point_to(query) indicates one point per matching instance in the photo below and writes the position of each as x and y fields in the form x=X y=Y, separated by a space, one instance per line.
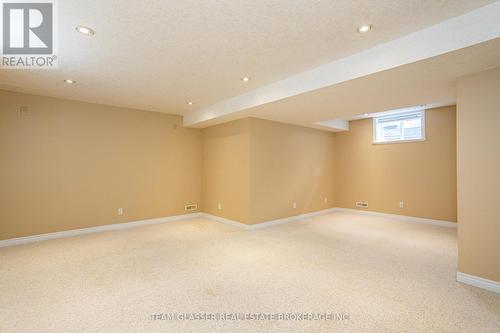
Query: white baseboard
x=479 y=282
x=292 y=218
x=399 y=217
x=120 y=226
x=108 y=227
x=267 y=223
x=227 y=221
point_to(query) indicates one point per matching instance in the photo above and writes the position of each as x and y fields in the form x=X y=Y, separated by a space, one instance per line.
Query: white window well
x=400 y=127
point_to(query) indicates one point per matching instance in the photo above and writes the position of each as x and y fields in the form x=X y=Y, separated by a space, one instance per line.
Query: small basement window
x=400 y=127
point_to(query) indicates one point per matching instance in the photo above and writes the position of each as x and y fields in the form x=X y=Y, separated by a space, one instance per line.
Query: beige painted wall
x=257 y=168
x=289 y=164
x=226 y=170
x=67 y=165
x=422 y=174
x=478 y=129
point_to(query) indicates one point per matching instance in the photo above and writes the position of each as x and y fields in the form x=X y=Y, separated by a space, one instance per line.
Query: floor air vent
x=191 y=207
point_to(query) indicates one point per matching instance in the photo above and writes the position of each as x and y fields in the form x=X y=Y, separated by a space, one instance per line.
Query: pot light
x=190 y=103
x=70 y=81
x=245 y=79
x=364 y=28
x=85 y=30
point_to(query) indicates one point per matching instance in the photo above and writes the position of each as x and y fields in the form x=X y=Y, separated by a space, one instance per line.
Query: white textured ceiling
x=157 y=55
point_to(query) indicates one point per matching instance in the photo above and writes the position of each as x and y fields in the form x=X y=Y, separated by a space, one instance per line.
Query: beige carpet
x=385 y=275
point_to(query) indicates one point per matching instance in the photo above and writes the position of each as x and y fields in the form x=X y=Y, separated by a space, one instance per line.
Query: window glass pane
x=398 y=127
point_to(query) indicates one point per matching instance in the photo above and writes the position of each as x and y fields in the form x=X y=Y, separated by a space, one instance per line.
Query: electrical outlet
x=361 y=204
x=294 y=205
x=219 y=206
x=401 y=204
x=120 y=211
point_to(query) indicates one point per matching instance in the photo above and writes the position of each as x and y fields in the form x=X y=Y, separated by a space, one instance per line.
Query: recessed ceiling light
x=85 y=30
x=190 y=103
x=245 y=79
x=70 y=81
x=364 y=28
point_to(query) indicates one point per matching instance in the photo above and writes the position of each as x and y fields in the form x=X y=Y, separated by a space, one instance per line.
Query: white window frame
x=423 y=138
